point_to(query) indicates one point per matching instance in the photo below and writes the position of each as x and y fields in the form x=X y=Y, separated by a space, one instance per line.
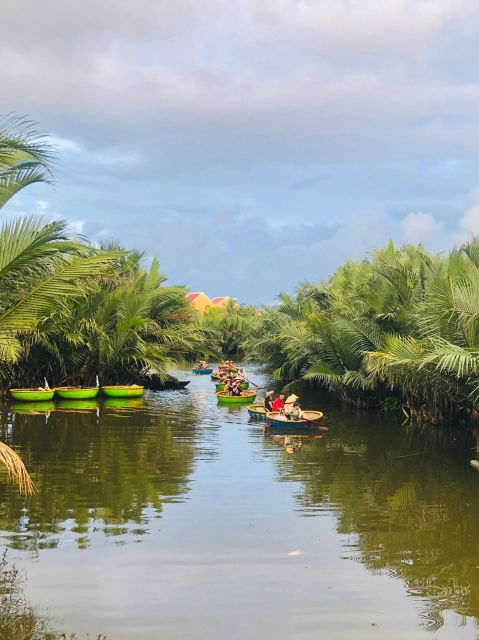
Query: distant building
x=201 y=302
x=221 y=301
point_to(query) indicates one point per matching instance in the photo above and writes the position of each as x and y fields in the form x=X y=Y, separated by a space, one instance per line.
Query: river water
x=170 y=517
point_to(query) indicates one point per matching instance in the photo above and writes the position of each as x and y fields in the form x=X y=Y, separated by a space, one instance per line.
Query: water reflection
x=408 y=497
x=402 y=500
x=107 y=470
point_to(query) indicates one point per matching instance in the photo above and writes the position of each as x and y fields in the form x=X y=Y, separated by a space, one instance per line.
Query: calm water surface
x=173 y=518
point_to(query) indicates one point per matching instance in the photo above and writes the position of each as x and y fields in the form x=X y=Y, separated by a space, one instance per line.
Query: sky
x=251 y=145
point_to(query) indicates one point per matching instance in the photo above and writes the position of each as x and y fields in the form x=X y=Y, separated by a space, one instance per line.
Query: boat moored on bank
x=77 y=393
x=122 y=391
x=32 y=395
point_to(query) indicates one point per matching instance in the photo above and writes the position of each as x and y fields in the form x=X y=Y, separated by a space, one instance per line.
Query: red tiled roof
x=219 y=299
x=192 y=296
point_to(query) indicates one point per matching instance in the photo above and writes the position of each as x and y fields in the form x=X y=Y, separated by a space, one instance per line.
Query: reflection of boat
x=125 y=403
x=221 y=386
x=276 y=419
x=77 y=393
x=33 y=407
x=202 y=372
x=257 y=411
x=32 y=395
x=78 y=405
x=225 y=398
x=123 y=391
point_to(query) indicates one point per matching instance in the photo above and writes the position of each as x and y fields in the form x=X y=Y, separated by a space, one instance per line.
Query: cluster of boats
x=309 y=419
x=76 y=393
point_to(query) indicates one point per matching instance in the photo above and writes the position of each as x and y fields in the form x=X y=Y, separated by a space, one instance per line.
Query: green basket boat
x=32 y=395
x=221 y=386
x=257 y=411
x=245 y=397
x=123 y=391
x=77 y=393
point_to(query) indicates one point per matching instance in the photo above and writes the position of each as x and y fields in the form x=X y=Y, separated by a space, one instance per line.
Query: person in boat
x=202 y=364
x=235 y=388
x=288 y=404
x=278 y=404
x=268 y=401
x=295 y=412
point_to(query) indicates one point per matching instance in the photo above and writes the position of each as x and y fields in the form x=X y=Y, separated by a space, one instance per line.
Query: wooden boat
x=123 y=391
x=202 y=372
x=215 y=376
x=225 y=398
x=257 y=411
x=221 y=386
x=77 y=393
x=32 y=395
x=276 y=419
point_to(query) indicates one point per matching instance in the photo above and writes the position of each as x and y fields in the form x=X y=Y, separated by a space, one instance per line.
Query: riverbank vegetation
x=229 y=328
x=70 y=310
x=399 y=329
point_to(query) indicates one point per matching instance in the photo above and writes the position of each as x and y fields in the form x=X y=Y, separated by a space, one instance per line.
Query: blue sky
x=252 y=145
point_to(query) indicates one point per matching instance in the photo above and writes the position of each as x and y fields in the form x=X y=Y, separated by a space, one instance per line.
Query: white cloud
x=420 y=227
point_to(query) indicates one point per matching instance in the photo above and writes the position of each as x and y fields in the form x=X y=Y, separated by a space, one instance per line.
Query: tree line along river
x=172 y=517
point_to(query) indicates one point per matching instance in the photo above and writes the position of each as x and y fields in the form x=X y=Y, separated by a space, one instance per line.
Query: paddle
x=318 y=422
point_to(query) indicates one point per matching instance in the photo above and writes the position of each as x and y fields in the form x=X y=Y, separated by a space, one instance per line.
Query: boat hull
x=202 y=372
x=257 y=411
x=76 y=393
x=276 y=420
x=221 y=386
x=32 y=395
x=245 y=398
x=122 y=391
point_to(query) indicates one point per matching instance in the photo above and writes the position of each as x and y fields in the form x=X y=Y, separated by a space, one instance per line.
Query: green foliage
x=229 y=327
x=69 y=310
x=403 y=325
x=25 y=156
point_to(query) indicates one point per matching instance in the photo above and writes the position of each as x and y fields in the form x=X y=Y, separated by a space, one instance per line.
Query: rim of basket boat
x=122 y=386
x=30 y=390
x=318 y=415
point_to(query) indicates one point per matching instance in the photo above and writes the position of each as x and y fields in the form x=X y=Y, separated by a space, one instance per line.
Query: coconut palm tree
x=25 y=156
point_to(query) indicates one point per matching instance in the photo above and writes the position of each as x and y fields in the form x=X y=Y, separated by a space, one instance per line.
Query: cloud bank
x=265 y=140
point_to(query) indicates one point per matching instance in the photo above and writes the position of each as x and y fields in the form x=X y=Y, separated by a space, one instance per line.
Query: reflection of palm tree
x=407 y=501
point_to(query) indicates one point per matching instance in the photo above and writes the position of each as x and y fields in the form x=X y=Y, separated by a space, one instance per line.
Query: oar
x=320 y=424
x=251 y=382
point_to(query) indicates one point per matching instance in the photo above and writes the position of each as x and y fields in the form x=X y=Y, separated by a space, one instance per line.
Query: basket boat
x=245 y=397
